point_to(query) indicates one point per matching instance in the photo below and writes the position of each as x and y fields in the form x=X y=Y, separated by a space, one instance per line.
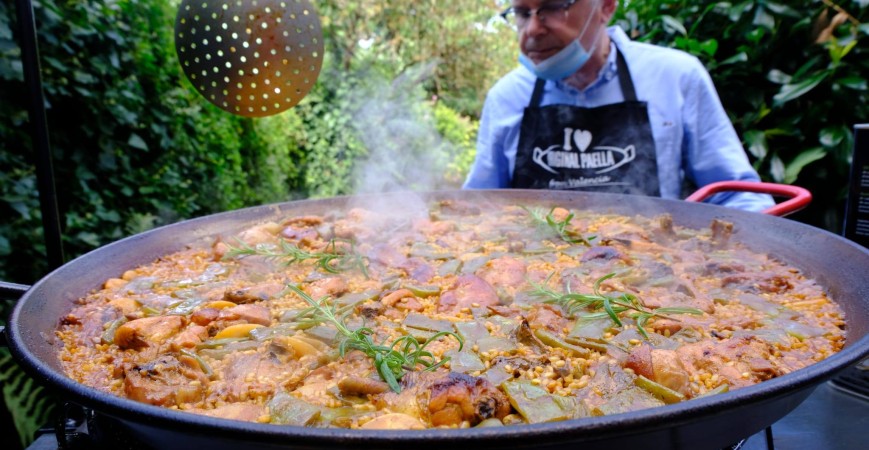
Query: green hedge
x=792 y=76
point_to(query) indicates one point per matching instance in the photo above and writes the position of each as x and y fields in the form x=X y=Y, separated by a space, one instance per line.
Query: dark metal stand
x=39 y=133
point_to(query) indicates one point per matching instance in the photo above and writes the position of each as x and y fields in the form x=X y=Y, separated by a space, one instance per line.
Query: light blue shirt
x=693 y=135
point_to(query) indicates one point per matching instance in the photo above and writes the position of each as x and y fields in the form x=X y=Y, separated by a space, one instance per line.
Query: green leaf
x=854 y=82
x=778 y=77
x=763 y=19
x=137 y=142
x=789 y=91
x=755 y=142
x=802 y=160
x=832 y=136
x=740 y=57
x=673 y=25
x=777 y=169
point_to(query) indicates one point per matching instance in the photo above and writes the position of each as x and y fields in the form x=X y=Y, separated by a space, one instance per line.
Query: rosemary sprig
x=547 y=222
x=612 y=306
x=391 y=361
x=332 y=261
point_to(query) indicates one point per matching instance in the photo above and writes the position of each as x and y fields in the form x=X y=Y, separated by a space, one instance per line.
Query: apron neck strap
x=625 y=82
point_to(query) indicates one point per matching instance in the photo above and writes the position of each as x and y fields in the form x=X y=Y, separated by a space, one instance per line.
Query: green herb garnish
x=612 y=306
x=391 y=361
x=332 y=261
x=547 y=222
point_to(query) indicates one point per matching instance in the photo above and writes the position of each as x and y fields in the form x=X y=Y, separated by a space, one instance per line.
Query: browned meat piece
x=190 y=337
x=255 y=375
x=460 y=208
x=732 y=359
x=465 y=291
x=164 y=382
x=546 y=316
x=721 y=232
x=640 y=361
x=247 y=313
x=427 y=227
x=248 y=412
x=504 y=271
x=446 y=398
x=304 y=221
x=601 y=252
x=300 y=235
x=669 y=371
x=419 y=270
x=253 y=293
x=205 y=316
x=92 y=321
x=148 y=331
x=332 y=287
x=360 y=386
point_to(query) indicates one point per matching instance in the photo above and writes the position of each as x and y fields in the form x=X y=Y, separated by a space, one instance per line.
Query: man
x=590 y=109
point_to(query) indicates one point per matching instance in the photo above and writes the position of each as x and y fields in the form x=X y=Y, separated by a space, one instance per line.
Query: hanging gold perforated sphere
x=250 y=57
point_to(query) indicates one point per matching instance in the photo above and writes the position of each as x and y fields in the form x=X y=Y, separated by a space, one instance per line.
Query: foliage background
x=396 y=105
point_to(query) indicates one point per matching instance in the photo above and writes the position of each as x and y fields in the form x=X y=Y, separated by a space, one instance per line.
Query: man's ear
x=608 y=8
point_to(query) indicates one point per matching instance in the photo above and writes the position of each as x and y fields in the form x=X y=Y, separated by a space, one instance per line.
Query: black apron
x=605 y=149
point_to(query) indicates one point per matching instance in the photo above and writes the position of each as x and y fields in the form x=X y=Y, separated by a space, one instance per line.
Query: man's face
x=563 y=23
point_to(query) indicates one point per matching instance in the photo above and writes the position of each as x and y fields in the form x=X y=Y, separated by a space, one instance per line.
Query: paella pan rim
x=23 y=340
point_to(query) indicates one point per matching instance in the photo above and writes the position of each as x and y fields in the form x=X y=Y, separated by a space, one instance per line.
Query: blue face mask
x=560 y=65
x=564 y=63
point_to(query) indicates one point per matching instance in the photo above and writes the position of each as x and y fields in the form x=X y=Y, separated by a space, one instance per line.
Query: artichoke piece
x=472 y=332
x=464 y=361
x=630 y=399
x=490 y=343
x=288 y=410
x=429 y=251
x=591 y=328
x=471 y=266
x=266 y=333
x=348 y=301
x=760 y=304
x=450 y=267
x=660 y=391
x=537 y=405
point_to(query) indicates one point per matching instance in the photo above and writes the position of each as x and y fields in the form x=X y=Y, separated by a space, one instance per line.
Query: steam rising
x=405 y=151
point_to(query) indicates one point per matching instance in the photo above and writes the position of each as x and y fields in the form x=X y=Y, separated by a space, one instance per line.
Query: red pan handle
x=798 y=199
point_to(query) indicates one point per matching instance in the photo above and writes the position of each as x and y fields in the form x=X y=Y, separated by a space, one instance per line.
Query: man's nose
x=535 y=26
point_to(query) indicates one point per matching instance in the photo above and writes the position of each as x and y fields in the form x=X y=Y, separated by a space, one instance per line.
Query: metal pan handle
x=798 y=198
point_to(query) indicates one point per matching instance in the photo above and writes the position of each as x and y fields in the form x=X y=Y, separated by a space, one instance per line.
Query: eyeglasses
x=553 y=12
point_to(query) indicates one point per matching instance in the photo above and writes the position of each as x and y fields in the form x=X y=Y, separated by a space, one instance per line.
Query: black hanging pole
x=39 y=133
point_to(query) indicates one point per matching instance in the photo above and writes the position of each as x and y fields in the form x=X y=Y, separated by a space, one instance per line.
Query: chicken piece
x=466 y=290
x=504 y=271
x=251 y=375
x=548 y=317
x=331 y=287
x=164 y=381
x=668 y=370
x=189 y=338
x=446 y=398
x=247 y=412
x=247 y=313
x=253 y=293
x=147 y=331
x=354 y=385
